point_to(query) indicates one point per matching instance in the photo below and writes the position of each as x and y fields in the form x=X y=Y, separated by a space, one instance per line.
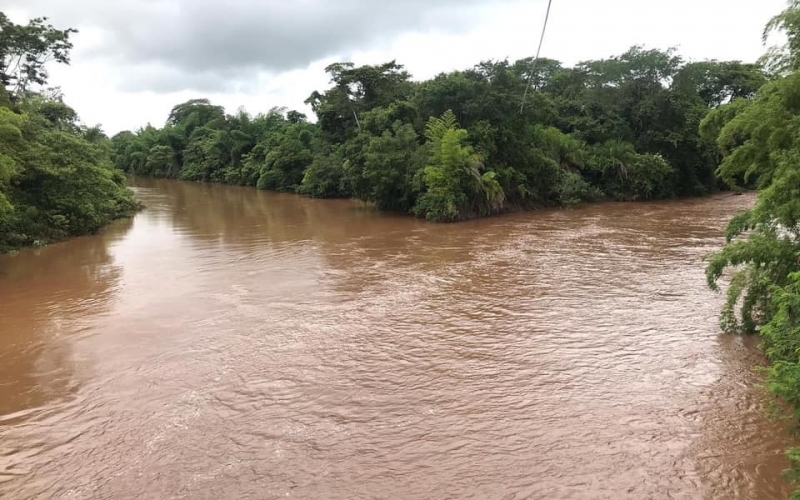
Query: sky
x=135 y=59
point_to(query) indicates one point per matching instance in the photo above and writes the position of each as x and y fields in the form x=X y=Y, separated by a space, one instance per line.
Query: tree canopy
x=26 y=50
x=624 y=128
x=56 y=175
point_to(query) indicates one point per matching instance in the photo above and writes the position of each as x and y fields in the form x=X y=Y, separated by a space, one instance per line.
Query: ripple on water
x=231 y=343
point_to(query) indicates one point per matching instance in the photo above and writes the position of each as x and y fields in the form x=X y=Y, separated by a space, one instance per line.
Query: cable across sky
x=536 y=59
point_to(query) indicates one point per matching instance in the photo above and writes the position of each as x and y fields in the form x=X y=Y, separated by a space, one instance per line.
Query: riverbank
x=468 y=216
x=57 y=179
x=29 y=234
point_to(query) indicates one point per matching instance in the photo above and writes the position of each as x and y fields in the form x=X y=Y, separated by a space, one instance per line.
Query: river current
x=228 y=343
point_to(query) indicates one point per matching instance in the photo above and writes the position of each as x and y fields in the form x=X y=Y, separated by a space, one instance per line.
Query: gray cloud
x=210 y=44
x=161 y=78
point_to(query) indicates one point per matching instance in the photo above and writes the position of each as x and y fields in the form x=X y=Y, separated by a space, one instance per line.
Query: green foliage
x=54 y=183
x=449 y=160
x=287 y=156
x=356 y=91
x=272 y=180
x=573 y=189
x=760 y=144
x=325 y=177
x=205 y=155
x=753 y=133
x=160 y=161
x=456 y=146
x=57 y=178
x=718 y=83
x=25 y=50
x=784 y=59
x=455 y=185
x=196 y=113
x=793 y=473
x=391 y=163
x=648 y=177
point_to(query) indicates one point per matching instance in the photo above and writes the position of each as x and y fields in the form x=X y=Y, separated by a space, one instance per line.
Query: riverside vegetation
x=460 y=145
x=454 y=147
x=643 y=125
x=56 y=176
x=759 y=140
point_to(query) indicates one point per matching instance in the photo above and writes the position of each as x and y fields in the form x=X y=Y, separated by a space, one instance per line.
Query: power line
x=536 y=59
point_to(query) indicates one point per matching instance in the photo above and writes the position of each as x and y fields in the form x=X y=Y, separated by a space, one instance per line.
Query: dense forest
x=56 y=176
x=462 y=144
x=759 y=140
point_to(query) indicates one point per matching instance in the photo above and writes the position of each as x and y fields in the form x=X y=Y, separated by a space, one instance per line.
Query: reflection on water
x=232 y=343
x=44 y=295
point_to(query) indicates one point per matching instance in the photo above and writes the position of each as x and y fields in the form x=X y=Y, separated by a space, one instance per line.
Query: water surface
x=231 y=343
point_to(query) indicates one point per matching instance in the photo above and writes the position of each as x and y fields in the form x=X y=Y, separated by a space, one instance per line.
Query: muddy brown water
x=231 y=343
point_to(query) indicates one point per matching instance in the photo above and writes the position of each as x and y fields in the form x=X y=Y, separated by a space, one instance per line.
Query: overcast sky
x=134 y=59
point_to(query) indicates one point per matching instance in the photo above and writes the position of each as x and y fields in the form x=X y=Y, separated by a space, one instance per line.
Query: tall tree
x=25 y=50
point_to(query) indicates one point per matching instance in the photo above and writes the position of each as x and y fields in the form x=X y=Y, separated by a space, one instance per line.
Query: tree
x=454 y=182
x=57 y=178
x=623 y=128
x=160 y=161
x=54 y=183
x=325 y=177
x=200 y=111
x=719 y=82
x=282 y=158
x=761 y=140
x=784 y=59
x=760 y=144
x=26 y=50
x=392 y=161
x=355 y=91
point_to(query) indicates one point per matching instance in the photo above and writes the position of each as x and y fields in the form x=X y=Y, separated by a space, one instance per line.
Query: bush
x=270 y=180
x=573 y=189
x=324 y=178
x=54 y=183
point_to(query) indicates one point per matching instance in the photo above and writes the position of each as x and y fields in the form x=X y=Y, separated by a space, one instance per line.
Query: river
x=232 y=343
